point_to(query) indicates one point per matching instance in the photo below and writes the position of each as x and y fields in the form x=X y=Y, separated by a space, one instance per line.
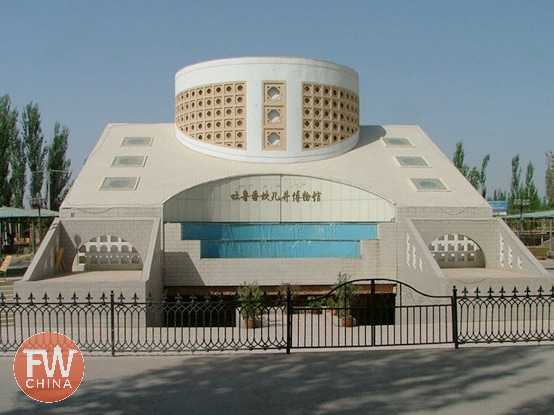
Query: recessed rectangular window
x=129 y=161
x=119 y=183
x=397 y=142
x=430 y=184
x=412 y=161
x=137 y=142
x=272 y=240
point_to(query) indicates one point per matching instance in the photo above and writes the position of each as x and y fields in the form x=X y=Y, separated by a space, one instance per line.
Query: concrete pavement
x=493 y=380
x=548 y=264
x=499 y=380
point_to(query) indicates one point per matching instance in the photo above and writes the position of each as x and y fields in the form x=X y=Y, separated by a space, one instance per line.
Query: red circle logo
x=48 y=367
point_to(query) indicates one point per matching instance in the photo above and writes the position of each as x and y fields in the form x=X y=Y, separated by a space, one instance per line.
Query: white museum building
x=266 y=175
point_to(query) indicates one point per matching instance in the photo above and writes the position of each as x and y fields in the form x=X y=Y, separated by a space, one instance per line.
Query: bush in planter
x=344 y=292
x=332 y=304
x=283 y=289
x=250 y=298
x=316 y=303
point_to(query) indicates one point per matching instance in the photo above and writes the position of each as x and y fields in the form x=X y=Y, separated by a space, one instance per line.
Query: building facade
x=267 y=175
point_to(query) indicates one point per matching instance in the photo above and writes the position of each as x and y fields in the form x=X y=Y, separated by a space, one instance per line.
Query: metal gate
x=371 y=313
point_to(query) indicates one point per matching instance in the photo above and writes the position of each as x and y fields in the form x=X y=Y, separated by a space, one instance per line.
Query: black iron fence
x=387 y=313
x=505 y=316
x=361 y=313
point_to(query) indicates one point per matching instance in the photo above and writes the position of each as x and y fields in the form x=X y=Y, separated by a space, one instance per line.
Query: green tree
x=515 y=186
x=8 y=135
x=523 y=193
x=35 y=149
x=499 y=194
x=530 y=191
x=483 y=175
x=58 y=167
x=476 y=176
x=459 y=159
x=473 y=177
x=549 y=179
x=18 y=178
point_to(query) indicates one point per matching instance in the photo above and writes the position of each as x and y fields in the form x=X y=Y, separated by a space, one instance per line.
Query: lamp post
x=38 y=202
x=521 y=203
x=551 y=252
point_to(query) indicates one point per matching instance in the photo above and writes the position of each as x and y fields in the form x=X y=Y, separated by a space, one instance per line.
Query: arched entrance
x=107 y=252
x=457 y=251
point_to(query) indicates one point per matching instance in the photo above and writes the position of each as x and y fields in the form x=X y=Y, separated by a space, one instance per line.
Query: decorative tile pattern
x=274 y=112
x=213 y=114
x=330 y=115
x=455 y=248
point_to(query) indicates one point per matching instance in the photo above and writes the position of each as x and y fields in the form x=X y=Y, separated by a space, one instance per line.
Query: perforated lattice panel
x=330 y=115
x=274 y=121
x=214 y=114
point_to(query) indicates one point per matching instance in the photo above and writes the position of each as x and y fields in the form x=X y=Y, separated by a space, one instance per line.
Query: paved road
x=498 y=380
x=503 y=380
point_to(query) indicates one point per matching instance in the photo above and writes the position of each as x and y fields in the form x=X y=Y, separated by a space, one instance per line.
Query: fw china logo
x=48 y=367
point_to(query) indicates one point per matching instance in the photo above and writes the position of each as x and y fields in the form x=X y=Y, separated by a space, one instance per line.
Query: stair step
x=6 y=288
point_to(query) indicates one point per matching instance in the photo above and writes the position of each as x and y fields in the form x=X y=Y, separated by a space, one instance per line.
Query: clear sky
x=481 y=72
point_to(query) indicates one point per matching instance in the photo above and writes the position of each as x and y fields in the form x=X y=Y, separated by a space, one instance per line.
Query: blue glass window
x=279 y=240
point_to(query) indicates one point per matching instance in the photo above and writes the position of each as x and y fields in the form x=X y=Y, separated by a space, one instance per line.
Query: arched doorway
x=457 y=251
x=107 y=252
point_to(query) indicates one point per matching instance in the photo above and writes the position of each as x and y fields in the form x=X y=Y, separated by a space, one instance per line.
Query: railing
x=404 y=316
x=114 y=325
x=400 y=315
x=506 y=316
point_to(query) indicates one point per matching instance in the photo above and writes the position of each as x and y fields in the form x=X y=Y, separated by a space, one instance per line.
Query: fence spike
x=552 y=291
x=89 y=298
x=206 y=298
x=178 y=298
x=103 y=298
x=514 y=291
x=221 y=297
x=490 y=292
x=477 y=292
x=149 y=299
x=502 y=292
x=465 y=292
x=121 y=298
x=31 y=298
x=192 y=298
x=74 y=298
x=540 y=291
x=17 y=297
x=45 y=298
x=2 y=298
x=60 y=298
x=527 y=292
x=135 y=299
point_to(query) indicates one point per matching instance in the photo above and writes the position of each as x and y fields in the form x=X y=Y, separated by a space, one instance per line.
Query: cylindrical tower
x=267 y=109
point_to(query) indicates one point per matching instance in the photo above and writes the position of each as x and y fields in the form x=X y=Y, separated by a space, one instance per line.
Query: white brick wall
x=183 y=265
